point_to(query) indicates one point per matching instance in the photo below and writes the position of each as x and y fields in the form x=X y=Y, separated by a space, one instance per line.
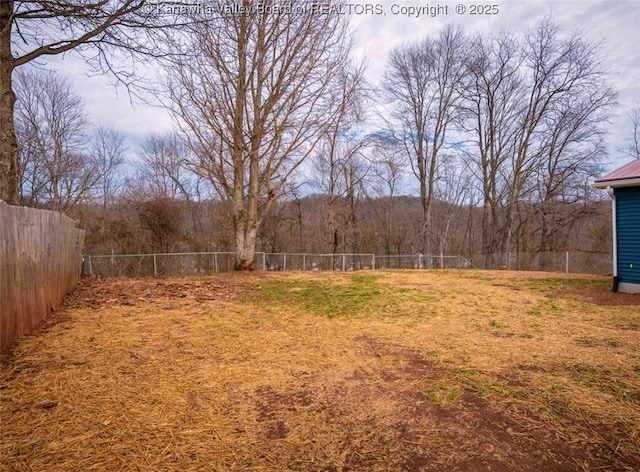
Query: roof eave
x=603 y=184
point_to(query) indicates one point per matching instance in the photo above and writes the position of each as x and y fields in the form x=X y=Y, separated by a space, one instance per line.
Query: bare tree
x=354 y=175
x=255 y=101
x=453 y=191
x=107 y=150
x=163 y=167
x=34 y=29
x=567 y=95
x=342 y=171
x=102 y=216
x=536 y=110
x=493 y=92
x=571 y=149
x=52 y=125
x=337 y=162
x=422 y=83
x=163 y=217
x=388 y=165
x=633 y=144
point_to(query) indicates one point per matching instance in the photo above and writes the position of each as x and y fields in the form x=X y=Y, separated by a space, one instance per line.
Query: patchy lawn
x=368 y=371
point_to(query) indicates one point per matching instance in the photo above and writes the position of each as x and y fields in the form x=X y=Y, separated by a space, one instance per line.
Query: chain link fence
x=194 y=263
x=582 y=262
x=422 y=261
x=201 y=263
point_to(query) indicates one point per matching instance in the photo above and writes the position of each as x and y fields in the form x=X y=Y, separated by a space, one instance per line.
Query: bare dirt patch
x=393 y=371
x=99 y=292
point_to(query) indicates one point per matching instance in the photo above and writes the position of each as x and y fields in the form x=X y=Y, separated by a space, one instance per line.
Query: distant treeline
x=314 y=224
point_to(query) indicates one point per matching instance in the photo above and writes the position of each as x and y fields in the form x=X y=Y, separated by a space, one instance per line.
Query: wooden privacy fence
x=40 y=262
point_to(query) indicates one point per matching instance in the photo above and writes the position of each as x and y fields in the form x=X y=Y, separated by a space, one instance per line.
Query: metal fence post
x=155 y=266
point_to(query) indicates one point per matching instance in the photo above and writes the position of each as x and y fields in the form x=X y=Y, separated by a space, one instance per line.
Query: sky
x=380 y=27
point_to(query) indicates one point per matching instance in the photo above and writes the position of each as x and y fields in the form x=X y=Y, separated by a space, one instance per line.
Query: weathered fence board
x=40 y=262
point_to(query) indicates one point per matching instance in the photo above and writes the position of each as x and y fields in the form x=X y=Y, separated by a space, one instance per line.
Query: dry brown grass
x=447 y=370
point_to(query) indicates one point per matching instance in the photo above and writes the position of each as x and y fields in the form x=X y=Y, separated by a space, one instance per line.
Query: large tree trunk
x=246 y=247
x=247 y=216
x=9 y=169
x=245 y=226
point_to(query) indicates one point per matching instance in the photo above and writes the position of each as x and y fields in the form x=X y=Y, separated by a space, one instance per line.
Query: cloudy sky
x=612 y=22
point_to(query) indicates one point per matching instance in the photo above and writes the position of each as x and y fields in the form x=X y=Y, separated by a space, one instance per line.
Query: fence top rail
x=414 y=255
x=340 y=254
x=149 y=254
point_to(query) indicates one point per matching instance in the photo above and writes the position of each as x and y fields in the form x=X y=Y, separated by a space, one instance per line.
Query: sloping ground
x=387 y=371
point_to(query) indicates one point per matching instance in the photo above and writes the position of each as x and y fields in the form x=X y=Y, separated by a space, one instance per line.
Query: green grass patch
x=349 y=297
x=443 y=391
x=496 y=324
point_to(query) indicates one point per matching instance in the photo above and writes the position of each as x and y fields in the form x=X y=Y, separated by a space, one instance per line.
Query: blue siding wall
x=628 y=231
